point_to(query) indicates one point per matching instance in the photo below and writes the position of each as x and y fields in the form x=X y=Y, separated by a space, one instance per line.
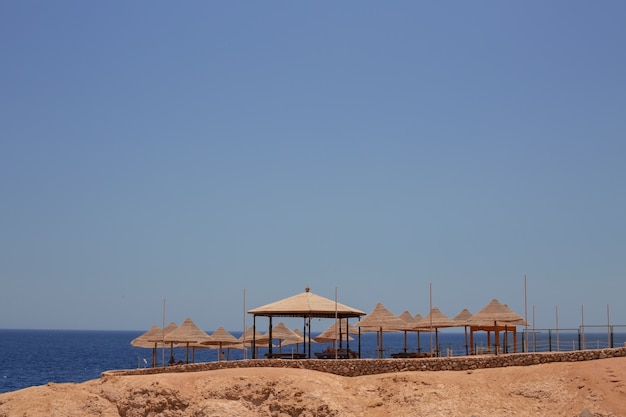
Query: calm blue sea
x=36 y=357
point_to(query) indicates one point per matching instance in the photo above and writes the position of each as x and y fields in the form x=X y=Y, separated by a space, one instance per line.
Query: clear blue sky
x=153 y=150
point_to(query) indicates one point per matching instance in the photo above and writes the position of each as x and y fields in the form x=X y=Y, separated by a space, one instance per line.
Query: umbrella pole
x=405 y=341
x=466 y=347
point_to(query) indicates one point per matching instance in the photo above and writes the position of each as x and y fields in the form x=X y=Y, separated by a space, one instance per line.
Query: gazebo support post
x=496 y=334
x=309 y=336
x=253 y=353
x=270 y=335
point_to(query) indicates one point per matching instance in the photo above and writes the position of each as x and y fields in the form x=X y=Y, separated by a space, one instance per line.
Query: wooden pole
x=526 y=314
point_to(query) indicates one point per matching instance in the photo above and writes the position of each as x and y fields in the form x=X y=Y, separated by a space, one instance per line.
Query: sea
x=38 y=357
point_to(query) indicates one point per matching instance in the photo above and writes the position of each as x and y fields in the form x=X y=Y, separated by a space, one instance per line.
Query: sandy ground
x=594 y=388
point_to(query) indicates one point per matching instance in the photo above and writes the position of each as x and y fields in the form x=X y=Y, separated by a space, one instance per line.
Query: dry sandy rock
x=593 y=388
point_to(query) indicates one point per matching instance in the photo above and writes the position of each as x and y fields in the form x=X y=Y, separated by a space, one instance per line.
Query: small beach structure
x=435 y=320
x=339 y=331
x=222 y=338
x=284 y=335
x=160 y=337
x=147 y=340
x=306 y=305
x=381 y=320
x=410 y=321
x=463 y=320
x=188 y=333
x=495 y=317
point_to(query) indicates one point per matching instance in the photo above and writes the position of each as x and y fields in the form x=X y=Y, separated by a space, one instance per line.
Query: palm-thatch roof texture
x=221 y=337
x=188 y=333
x=146 y=340
x=463 y=317
x=160 y=336
x=339 y=330
x=496 y=312
x=285 y=335
x=149 y=338
x=496 y=317
x=306 y=304
x=381 y=320
x=435 y=319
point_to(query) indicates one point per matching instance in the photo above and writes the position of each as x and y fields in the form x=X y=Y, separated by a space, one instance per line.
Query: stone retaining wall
x=358 y=367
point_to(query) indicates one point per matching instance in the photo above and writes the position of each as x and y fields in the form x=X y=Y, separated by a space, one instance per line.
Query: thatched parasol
x=463 y=319
x=434 y=321
x=496 y=317
x=160 y=337
x=410 y=321
x=283 y=334
x=146 y=340
x=221 y=337
x=186 y=333
x=381 y=320
x=337 y=331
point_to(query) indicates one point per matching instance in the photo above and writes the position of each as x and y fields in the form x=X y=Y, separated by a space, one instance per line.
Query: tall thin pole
x=526 y=313
x=534 y=332
x=336 y=324
x=245 y=350
x=163 y=339
x=431 y=316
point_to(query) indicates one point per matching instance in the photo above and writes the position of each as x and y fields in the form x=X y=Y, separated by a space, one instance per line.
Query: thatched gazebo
x=495 y=317
x=306 y=305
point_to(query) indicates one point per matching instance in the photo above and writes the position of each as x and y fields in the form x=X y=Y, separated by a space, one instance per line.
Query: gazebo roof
x=306 y=304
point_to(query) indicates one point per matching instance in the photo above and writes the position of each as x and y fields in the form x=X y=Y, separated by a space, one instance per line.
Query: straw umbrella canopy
x=188 y=332
x=160 y=337
x=337 y=331
x=146 y=340
x=381 y=320
x=249 y=335
x=435 y=319
x=410 y=320
x=416 y=319
x=463 y=319
x=284 y=334
x=495 y=317
x=221 y=337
